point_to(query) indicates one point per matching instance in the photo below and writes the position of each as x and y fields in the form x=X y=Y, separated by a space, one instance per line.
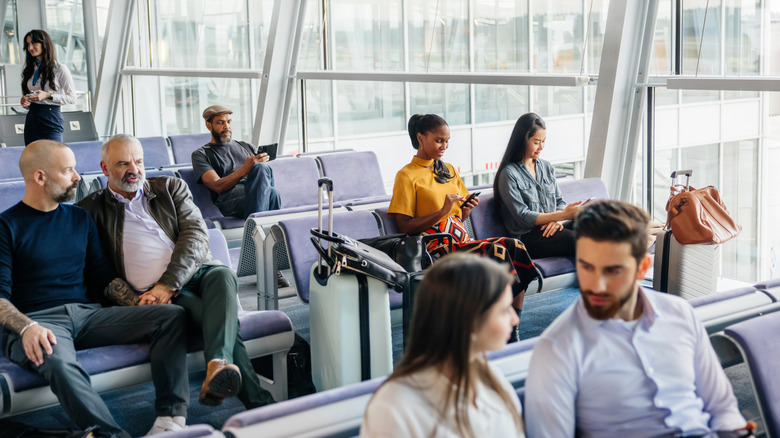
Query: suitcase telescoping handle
x=685 y=173
x=328 y=184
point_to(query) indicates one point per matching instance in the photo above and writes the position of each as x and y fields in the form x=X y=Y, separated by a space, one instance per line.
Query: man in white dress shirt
x=622 y=360
x=156 y=238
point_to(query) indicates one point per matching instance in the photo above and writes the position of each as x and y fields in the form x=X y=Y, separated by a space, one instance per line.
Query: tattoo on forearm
x=121 y=293
x=11 y=318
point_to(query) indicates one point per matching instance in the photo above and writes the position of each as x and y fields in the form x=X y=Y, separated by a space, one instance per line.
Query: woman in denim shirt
x=527 y=195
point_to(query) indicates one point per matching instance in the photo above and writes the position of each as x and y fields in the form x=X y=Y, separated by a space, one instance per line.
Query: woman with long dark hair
x=429 y=197
x=46 y=85
x=444 y=386
x=527 y=195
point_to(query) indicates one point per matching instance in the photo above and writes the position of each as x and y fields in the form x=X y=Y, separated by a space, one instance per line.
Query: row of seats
x=339 y=412
x=292 y=234
x=268 y=333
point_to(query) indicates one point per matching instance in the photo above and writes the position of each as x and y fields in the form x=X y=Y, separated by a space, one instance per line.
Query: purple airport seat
x=9 y=163
x=11 y=192
x=87 y=156
x=183 y=145
x=761 y=353
x=359 y=224
x=356 y=176
x=388 y=223
x=155 y=151
x=349 y=401
x=721 y=296
x=201 y=196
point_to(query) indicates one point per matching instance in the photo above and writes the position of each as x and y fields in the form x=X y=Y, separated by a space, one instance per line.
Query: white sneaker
x=167 y=424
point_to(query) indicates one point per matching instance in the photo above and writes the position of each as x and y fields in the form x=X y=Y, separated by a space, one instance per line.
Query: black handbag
x=408 y=250
x=347 y=254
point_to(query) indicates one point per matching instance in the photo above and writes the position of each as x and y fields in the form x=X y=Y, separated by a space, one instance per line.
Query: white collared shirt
x=147 y=249
x=615 y=378
x=66 y=90
x=410 y=406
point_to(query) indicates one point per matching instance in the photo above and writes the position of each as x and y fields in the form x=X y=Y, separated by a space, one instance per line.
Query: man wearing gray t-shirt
x=240 y=181
x=236 y=175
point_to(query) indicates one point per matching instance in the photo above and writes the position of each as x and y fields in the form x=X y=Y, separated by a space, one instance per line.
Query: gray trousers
x=82 y=326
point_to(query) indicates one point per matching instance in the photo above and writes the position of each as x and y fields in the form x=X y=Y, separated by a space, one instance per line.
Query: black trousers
x=560 y=244
x=81 y=326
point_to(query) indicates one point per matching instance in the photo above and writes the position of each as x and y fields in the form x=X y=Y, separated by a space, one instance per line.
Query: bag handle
x=438 y=237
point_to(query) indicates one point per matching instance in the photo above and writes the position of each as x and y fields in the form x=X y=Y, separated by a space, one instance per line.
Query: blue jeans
x=255 y=192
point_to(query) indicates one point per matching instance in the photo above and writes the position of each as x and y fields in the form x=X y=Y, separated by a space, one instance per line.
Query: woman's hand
x=40 y=95
x=25 y=102
x=571 y=210
x=450 y=201
x=551 y=228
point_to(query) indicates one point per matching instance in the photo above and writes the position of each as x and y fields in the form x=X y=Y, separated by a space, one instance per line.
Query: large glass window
x=367 y=35
x=438 y=35
x=501 y=35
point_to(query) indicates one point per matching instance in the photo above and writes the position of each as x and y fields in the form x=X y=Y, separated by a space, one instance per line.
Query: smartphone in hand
x=587 y=200
x=471 y=196
x=270 y=149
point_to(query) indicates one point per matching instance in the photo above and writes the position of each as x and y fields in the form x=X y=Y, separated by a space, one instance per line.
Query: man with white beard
x=156 y=239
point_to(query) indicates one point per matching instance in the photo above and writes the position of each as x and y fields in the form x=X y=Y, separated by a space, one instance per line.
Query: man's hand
x=254 y=159
x=159 y=294
x=37 y=340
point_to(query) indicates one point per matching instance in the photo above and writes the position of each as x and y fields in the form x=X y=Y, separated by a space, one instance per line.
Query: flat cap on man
x=215 y=110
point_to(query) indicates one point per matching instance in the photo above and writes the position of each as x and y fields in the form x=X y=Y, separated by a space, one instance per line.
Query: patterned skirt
x=502 y=249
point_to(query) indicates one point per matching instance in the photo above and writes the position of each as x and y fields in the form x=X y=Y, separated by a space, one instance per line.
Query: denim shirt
x=523 y=198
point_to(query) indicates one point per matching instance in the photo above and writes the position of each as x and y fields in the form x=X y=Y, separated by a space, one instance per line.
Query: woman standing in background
x=46 y=85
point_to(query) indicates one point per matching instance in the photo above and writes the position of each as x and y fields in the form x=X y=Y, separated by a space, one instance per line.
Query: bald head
x=39 y=155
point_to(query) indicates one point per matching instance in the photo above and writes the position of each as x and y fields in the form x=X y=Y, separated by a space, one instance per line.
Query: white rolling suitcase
x=689 y=271
x=349 y=315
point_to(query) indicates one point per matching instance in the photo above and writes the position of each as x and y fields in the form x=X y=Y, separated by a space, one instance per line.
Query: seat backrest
x=388 y=223
x=359 y=224
x=296 y=181
x=11 y=192
x=218 y=246
x=200 y=194
x=338 y=411
x=761 y=354
x=155 y=151
x=355 y=175
x=484 y=222
x=318 y=153
x=574 y=190
x=183 y=145
x=9 y=162
x=87 y=155
x=78 y=126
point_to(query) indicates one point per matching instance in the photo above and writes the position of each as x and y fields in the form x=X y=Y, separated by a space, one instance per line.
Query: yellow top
x=416 y=193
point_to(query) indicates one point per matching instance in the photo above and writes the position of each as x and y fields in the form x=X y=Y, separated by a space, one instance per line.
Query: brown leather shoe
x=223 y=380
x=281 y=281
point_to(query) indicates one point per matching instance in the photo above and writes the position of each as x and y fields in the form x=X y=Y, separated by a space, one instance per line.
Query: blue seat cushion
x=552 y=266
x=254 y=324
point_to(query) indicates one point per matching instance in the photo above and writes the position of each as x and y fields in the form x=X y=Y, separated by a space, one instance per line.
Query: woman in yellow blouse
x=427 y=198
